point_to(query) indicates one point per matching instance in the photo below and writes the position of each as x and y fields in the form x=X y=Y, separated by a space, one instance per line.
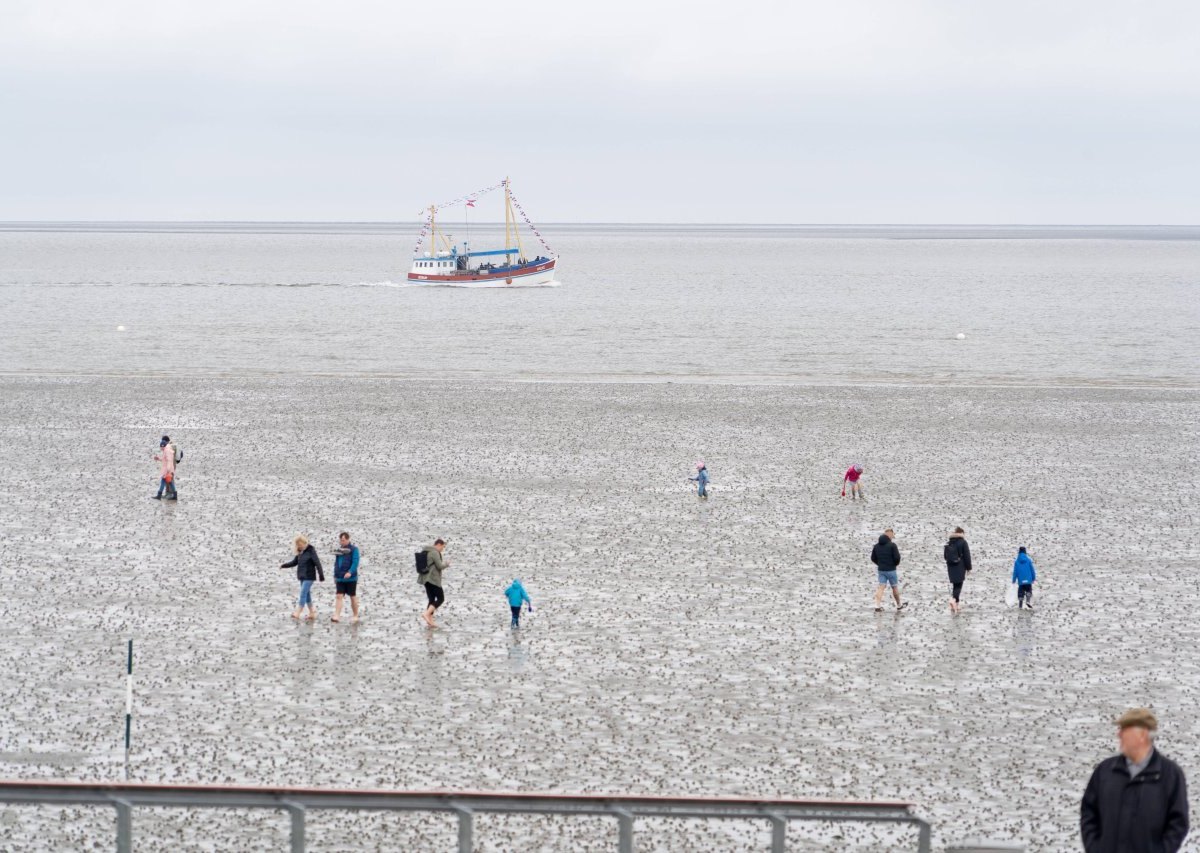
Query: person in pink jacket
x=166 y=460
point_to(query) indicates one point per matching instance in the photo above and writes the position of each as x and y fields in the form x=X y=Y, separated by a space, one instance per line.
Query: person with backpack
x=886 y=557
x=517 y=596
x=430 y=566
x=958 y=563
x=345 y=577
x=308 y=569
x=1024 y=575
x=166 y=460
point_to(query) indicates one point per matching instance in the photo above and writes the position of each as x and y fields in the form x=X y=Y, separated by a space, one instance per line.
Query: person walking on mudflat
x=431 y=579
x=701 y=480
x=1135 y=802
x=1024 y=575
x=166 y=471
x=958 y=563
x=345 y=577
x=308 y=569
x=852 y=476
x=516 y=595
x=886 y=557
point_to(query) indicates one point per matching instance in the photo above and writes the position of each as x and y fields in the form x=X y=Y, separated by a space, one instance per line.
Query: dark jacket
x=1148 y=814
x=308 y=565
x=885 y=554
x=958 y=558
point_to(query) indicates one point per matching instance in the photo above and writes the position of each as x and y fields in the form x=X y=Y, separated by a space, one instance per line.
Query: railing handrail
x=626 y=808
x=64 y=785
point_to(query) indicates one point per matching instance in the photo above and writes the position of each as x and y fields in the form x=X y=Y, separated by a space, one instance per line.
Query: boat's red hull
x=507 y=276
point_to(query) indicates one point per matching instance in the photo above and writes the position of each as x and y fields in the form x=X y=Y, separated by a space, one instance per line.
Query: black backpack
x=952 y=553
x=422 y=559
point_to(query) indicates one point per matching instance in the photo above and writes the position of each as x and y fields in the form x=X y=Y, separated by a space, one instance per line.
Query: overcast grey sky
x=753 y=111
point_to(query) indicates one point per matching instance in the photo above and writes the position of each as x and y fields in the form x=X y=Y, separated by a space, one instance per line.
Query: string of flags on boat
x=469 y=197
x=469 y=200
x=529 y=222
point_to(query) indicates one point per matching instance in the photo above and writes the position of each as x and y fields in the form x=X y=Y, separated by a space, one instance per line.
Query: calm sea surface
x=690 y=303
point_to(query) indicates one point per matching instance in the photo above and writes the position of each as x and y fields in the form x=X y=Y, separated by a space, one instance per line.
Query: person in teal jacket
x=345 y=576
x=1024 y=575
x=517 y=596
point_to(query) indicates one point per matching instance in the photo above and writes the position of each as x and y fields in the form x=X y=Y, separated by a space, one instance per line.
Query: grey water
x=1038 y=305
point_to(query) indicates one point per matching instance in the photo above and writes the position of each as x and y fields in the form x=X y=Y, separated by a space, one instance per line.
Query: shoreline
x=724 y=382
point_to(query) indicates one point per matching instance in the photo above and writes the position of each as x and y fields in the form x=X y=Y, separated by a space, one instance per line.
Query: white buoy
x=120 y=328
x=961 y=336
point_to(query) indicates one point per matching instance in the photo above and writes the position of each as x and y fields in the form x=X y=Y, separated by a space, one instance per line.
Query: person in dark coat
x=958 y=563
x=886 y=557
x=308 y=569
x=1135 y=802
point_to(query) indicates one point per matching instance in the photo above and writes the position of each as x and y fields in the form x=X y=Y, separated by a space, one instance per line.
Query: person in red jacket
x=852 y=476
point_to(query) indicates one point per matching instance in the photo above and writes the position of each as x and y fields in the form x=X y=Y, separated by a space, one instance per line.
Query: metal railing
x=124 y=797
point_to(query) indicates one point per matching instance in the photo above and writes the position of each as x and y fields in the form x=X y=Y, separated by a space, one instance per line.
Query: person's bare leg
x=312 y=613
x=354 y=607
x=428 y=616
x=896 y=594
x=879 y=596
x=337 y=607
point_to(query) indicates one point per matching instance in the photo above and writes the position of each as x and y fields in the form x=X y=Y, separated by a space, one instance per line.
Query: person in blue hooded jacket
x=517 y=596
x=701 y=480
x=1024 y=575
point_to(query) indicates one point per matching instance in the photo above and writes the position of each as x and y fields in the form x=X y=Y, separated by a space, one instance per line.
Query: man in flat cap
x=1135 y=801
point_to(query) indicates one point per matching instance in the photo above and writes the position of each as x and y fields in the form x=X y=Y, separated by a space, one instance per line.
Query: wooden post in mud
x=128 y=705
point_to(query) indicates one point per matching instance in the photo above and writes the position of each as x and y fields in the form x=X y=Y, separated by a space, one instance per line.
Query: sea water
x=1069 y=306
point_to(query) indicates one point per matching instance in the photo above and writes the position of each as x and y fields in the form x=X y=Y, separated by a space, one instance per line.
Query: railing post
x=778 y=833
x=124 y=826
x=297 y=812
x=466 y=829
x=624 y=831
x=924 y=837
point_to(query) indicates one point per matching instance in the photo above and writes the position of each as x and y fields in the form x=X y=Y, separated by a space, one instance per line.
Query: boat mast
x=510 y=222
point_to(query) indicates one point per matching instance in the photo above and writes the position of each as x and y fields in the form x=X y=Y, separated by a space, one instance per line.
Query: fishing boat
x=446 y=263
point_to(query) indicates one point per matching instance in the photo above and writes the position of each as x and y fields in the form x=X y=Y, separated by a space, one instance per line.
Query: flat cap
x=1141 y=717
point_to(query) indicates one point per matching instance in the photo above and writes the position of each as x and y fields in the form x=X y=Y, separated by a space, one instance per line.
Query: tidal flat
x=726 y=647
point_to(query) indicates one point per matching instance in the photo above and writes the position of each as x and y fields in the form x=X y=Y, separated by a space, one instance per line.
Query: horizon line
x=12 y=222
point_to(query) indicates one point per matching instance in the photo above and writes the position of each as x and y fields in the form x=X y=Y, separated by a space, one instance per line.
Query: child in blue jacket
x=701 y=480
x=1024 y=575
x=517 y=596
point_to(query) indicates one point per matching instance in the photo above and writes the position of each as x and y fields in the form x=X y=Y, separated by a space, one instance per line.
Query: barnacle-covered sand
x=678 y=647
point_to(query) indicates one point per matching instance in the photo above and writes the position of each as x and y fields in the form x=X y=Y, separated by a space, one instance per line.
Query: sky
x=894 y=111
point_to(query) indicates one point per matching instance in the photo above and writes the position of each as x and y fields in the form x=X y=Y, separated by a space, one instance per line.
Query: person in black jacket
x=308 y=569
x=958 y=563
x=1135 y=802
x=886 y=557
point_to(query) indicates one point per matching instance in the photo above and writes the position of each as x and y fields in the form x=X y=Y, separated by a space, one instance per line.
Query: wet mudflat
x=679 y=647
